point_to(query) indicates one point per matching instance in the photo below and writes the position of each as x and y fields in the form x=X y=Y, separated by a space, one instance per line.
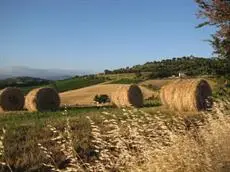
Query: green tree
x=217 y=13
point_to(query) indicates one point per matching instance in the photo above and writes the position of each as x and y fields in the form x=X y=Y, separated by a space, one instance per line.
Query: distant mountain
x=49 y=74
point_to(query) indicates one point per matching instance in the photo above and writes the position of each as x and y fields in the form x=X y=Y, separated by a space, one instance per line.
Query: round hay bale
x=42 y=99
x=128 y=96
x=11 y=99
x=187 y=95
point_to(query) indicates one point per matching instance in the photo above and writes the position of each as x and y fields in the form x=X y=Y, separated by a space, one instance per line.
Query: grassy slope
x=26 y=130
x=76 y=83
x=118 y=76
x=68 y=84
x=125 y=78
x=126 y=81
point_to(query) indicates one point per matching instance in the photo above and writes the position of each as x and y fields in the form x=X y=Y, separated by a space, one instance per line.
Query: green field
x=120 y=76
x=34 y=141
x=68 y=84
x=76 y=83
x=127 y=81
x=25 y=130
x=117 y=76
x=81 y=82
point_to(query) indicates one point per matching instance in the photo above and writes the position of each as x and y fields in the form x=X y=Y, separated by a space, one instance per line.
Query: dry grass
x=11 y=99
x=187 y=95
x=86 y=95
x=203 y=148
x=150 y=143
x=132 y=140
x=42 y=99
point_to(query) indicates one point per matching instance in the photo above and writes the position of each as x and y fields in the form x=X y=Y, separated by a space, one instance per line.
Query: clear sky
x=98 y=34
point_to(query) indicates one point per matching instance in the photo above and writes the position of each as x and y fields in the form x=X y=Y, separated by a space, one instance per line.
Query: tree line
x=189 y=65
x=22 y=82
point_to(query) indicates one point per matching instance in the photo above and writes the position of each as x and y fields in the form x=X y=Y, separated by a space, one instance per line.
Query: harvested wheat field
x=85 y=96
x=11 y=99
x=156 y=83
x=187 y=95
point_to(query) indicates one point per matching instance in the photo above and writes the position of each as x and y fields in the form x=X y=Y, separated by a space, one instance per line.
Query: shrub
x=103 y=98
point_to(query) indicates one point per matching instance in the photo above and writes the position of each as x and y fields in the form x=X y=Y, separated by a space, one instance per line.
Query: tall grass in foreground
x=140 y=141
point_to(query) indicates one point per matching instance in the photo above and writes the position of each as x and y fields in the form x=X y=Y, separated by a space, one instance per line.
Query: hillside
x=76 y=83
x=85 y=96
x=49 y=74
x=28 y=83
x=192 y=66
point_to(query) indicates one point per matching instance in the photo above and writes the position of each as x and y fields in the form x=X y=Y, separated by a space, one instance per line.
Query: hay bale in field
x=127 y=96
x=11 y=99
x=42 y=99
x=187 y=95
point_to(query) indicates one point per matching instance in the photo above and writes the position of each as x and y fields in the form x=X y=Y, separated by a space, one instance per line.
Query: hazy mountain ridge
x=49 y=74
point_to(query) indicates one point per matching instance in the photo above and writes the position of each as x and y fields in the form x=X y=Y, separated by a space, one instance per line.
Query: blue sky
x=98 y=34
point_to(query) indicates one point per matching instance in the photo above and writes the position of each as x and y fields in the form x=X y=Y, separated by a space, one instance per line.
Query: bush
x=102 y=98
x=152 y=103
